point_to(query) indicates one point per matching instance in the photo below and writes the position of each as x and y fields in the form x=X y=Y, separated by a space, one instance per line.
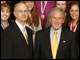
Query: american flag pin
x=64 y=41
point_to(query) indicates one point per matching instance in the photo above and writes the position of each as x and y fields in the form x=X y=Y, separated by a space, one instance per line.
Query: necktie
x=25 y=34
x=54 y=45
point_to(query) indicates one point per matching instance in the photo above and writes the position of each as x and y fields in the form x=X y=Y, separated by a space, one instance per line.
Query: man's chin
x=24 y=19
x=56 y=28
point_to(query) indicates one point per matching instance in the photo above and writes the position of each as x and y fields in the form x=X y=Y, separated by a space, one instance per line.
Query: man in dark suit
x=14 y=43
x=64 y=39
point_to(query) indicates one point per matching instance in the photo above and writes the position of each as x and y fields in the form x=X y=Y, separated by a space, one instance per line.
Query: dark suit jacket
x=1 y=29
x=7 y=27
x=77 y=37
x=66 y=50
x=13 y=44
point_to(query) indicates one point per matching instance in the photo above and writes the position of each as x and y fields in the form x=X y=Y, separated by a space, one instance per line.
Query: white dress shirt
x=21 y=27
x=58 y=35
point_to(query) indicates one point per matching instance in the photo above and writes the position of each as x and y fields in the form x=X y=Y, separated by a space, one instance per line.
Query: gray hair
x=56 y=9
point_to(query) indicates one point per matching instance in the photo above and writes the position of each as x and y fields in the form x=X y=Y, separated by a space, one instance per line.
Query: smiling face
x=61 y=4
x=5 y=13
x=74 y=12
x=30 y=5
x=57 y=19
x=21 y=12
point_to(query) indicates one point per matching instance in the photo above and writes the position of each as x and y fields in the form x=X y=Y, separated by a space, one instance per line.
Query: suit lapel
x=1 y=29
x=61 y=44
x=29 y=36
x=48 y=43
x=19 y=33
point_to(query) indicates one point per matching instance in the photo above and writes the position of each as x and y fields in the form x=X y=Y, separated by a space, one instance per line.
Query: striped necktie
x=54 y=45
x=25 y=34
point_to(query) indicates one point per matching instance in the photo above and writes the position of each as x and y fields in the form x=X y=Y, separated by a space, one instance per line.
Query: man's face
x=57 y=19
x=21 y=12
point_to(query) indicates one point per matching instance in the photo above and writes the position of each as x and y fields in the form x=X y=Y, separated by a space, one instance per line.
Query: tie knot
x=55 y=32
x=24 y=29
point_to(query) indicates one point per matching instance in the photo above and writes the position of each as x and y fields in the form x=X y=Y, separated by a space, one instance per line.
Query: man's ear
x=49 y=19
x=14 y=13
x=63 y=20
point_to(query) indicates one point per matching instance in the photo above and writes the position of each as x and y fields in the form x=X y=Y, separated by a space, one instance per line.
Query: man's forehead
x=21 y=6
x=55 y=12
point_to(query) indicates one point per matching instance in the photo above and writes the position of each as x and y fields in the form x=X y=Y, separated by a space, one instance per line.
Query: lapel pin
x=64 y=41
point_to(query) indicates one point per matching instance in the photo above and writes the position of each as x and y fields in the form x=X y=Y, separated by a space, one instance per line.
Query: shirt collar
x=19 y=25
x=59 y=30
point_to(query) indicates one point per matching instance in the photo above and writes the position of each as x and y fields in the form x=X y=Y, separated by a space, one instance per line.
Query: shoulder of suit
x=67 y=31
x=10 y=29
x=29 y=29
x=46 y=30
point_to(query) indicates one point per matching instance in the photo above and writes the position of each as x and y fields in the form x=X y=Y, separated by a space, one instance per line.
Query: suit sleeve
x=6 y=46
x=37 y=47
